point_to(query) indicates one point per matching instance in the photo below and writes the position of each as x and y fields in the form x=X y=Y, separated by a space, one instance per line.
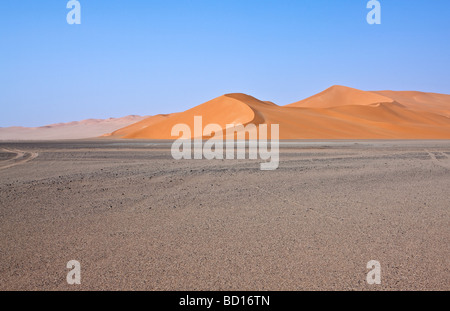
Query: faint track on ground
x=21 y=157
x=444 y=163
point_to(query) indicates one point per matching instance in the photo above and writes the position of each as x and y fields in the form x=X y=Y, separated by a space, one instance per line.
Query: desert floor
x=135 y=218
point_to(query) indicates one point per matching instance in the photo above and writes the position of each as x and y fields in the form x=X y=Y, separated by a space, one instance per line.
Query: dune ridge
x=339 y=112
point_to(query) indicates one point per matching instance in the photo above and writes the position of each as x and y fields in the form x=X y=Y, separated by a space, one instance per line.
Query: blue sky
x=148 y=57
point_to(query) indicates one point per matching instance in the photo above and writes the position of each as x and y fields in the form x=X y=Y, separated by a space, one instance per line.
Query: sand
x=336 y=113
x=137 y=219
x=72 y=130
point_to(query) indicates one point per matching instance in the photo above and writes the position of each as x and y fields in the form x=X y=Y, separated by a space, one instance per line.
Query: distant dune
x=73 y=130
x=336 y=113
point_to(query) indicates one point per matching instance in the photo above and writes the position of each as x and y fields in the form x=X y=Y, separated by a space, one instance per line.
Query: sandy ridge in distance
x=72 y=130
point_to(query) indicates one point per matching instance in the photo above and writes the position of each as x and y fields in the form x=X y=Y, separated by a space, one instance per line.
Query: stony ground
x=137 y=219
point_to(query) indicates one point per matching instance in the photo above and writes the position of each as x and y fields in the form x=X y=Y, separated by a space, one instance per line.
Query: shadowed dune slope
x=336 y=113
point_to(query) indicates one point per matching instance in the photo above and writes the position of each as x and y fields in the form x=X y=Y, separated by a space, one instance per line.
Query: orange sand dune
x=337 y=95
x=222 y=110
x=336 y=113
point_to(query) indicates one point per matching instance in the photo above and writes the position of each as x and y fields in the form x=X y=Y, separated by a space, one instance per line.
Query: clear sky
x=159 y=56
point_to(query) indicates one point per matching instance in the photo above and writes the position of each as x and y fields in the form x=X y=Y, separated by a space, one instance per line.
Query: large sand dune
x=336 y=113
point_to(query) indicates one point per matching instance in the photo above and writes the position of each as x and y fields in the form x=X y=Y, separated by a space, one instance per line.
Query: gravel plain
x=136 y=219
